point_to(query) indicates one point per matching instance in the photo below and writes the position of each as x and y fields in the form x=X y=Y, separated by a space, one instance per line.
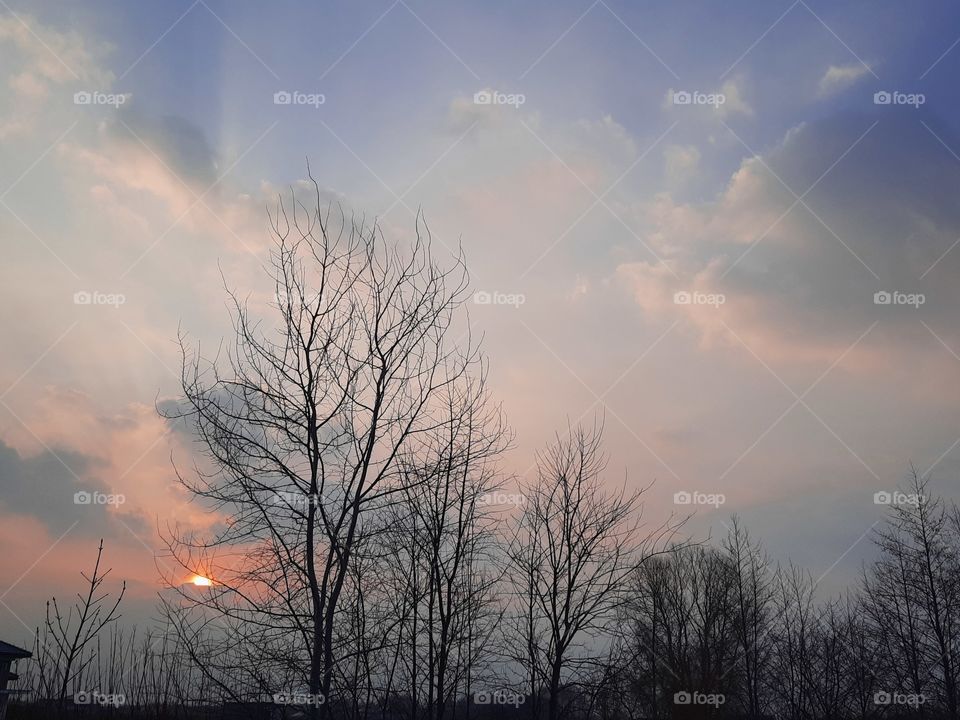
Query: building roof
x=12 y=651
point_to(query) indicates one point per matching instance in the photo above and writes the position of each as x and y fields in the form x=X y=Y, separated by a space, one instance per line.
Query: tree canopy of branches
x=67 y=645
x=360 y=399
x=574 y=548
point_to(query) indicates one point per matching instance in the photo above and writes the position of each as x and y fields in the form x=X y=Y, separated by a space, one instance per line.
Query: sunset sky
x=587 y=193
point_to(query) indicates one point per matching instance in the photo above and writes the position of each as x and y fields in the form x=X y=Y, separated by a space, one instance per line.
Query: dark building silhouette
x=9 y=654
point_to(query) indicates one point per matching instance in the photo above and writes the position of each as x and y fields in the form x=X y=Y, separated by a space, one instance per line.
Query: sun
x=201 y=581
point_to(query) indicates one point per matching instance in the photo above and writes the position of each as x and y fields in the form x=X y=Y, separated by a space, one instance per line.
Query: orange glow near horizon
x=201 y=581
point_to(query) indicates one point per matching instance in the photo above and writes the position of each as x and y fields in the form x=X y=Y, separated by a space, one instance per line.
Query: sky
x=756 y=289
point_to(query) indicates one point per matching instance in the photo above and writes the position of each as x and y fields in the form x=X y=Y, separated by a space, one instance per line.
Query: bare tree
x=307 y=432
x=752 y=593
x=573 y=548
x=913 y=595
x=795 y=661
x=65 y=648
x=679 y=627
x=446 y=526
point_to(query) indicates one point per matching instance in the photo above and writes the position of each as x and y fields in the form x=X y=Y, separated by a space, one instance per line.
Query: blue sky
x=384 y=89
x=598 y=199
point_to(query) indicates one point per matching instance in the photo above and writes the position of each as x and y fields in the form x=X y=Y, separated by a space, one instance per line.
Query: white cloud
x=43 y=65
x=839 y=77
x=735 y=103
x=681 y=163
x=792 y=287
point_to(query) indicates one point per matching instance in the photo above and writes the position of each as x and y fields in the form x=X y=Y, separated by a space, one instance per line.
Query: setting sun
x=201 y=581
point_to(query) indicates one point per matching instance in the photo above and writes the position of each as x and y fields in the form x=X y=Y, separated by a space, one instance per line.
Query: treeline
x=723 y=621
x=529 y=627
